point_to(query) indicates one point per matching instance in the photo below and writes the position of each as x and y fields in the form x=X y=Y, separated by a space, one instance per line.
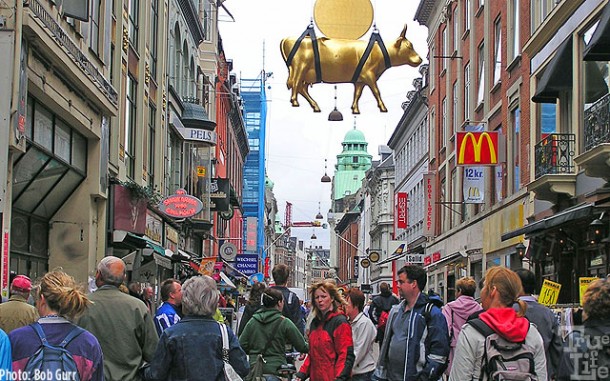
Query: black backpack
x=504 y=360
x=53 y=362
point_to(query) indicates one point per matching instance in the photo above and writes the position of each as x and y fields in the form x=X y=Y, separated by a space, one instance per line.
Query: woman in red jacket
x=331 y=353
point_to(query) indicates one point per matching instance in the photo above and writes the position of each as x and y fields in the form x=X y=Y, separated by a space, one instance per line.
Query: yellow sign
x=478 y=156
x=200 y=171
x=549 y=293
x=584 y=284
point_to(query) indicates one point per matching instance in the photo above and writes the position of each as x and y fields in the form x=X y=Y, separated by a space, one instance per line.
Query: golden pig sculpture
x=339 y=61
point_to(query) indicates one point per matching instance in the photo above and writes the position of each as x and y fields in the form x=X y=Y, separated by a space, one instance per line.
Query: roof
x=354 y=136
x=347 y=181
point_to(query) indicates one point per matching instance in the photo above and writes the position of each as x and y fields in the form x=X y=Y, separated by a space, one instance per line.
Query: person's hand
x=302 y=356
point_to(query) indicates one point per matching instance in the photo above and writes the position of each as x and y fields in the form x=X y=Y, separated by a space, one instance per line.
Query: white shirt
x=363 y=335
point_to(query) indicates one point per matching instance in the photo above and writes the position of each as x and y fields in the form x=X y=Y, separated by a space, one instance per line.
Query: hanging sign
x=400 y=212
x=181 y=205
x=207 y=266
x=472 y=150
x=474 y=185
x=429 y=209
x=584 y=283
x=549 y=293
x=5 y=264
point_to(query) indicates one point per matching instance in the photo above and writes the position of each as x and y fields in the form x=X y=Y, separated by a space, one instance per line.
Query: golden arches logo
x=477 y=145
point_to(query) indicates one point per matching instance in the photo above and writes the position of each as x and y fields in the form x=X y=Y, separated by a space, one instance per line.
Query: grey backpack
x=504 y=360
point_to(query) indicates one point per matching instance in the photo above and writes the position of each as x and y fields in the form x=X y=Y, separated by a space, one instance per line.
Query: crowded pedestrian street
x=324 y=190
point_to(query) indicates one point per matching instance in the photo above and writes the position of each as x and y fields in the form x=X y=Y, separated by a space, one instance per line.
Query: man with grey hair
x=122 y=324
x=191 y=349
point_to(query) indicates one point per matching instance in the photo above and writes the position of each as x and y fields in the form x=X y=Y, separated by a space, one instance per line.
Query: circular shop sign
x=228 y=251
x=374 y=256
x=365 y=263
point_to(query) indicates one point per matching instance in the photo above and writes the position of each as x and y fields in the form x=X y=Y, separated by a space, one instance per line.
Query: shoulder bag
x=230 y=373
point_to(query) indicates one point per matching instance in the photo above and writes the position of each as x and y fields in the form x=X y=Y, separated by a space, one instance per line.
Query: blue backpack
x=55 y=362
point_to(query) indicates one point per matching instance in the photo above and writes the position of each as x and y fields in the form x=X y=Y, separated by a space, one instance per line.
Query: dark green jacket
x=268 y=332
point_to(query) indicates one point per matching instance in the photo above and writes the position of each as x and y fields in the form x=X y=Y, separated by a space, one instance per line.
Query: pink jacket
x=456 y=313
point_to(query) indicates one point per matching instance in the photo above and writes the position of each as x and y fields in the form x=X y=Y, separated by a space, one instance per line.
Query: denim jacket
x=192 y=350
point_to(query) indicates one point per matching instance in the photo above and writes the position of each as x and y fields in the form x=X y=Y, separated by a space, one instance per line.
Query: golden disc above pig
x=347 y=19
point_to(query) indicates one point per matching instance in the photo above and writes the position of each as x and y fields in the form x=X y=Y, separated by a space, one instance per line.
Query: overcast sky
x=298 y=140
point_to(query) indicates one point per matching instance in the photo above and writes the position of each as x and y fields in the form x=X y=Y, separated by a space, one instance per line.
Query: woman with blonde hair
x=499 y=323
x=59 y=300
x=331 y=348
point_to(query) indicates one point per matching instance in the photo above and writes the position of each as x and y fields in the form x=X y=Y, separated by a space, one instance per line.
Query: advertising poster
x=474 y=185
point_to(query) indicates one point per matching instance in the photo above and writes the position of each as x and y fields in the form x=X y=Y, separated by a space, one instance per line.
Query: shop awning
x=575 y=213
x=598 y=48
x=225 y=281
x=448 y=259
x=153 y=247
x=557 y=76
x=128 y=240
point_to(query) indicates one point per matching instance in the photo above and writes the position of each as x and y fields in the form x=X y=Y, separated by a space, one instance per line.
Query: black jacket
x=382 y=302
x=292 y=308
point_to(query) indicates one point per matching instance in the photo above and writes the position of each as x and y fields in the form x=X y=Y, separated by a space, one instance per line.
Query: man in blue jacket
x=170 y=312
x=418 y=316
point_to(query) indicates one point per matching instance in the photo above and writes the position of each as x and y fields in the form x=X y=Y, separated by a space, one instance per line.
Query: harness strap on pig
x=311 y=33
x=375 y=37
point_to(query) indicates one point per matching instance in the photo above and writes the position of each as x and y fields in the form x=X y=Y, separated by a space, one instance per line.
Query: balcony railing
x=597 y=123
x=555 y=154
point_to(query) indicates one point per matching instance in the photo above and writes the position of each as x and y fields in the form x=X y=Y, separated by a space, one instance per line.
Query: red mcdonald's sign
x=477 y=153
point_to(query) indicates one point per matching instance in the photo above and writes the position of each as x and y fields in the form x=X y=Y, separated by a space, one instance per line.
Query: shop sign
x=430 y=210
x=549 y=293
x=207 y=266
x=129 y=213
x=154 y=227
x=163 y=262
x=472 y=151
x=427 y=260
x=436 y=256
x=366 y=288
x=5 y=263
x=400 y=212
x=251 y=233
x=219 y=195
x=247 y=264
x=181 y=205
x=474 y=185
x=356 y=267
x=172 y=234
x=228 y=251
x=584 y=283
x=414 y=258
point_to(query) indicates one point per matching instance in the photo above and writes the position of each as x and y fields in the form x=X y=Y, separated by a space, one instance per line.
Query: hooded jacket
x=469 y=352
x=331 y=355
x=382 y=302
x=267 y=333
x=456 y=313
x=427 y=342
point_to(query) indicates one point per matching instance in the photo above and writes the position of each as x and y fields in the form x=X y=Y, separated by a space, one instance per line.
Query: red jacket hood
x=506 y=323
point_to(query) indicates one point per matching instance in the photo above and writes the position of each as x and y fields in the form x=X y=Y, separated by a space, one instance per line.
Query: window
x=134 y=8
x=466 y=15
x=207 y=20
x=152 y=114
x=455 y=109
x=445 y=221
x=445 y=51
x=516 y=147
x=467 y=91
x=154 y=24
x=443 y=132
x=498 y=51
x=455 y=197
x=94 y=26
x=433 y=149
x=481 y=90
x=456 y=30
x=548 y=122
x=515 y=48
x=432 y=74
x=130 y=126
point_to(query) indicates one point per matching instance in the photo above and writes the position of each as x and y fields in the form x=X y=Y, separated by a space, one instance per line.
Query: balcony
x=555 y=169
x=596 y=157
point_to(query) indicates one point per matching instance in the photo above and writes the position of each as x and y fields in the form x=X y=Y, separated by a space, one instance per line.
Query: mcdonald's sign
x=472 y=151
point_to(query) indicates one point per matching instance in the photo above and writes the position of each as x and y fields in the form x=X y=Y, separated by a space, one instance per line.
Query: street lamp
x=325 y=178
x=520 y=250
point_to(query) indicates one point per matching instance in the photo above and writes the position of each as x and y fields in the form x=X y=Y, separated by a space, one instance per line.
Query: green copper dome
x=354 y=136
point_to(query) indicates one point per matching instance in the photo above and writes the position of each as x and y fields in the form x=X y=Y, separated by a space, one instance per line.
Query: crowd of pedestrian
x=118 y=333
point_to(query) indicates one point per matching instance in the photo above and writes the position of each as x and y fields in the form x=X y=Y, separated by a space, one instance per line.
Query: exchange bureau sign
x=181 y=205
x=247 y=264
